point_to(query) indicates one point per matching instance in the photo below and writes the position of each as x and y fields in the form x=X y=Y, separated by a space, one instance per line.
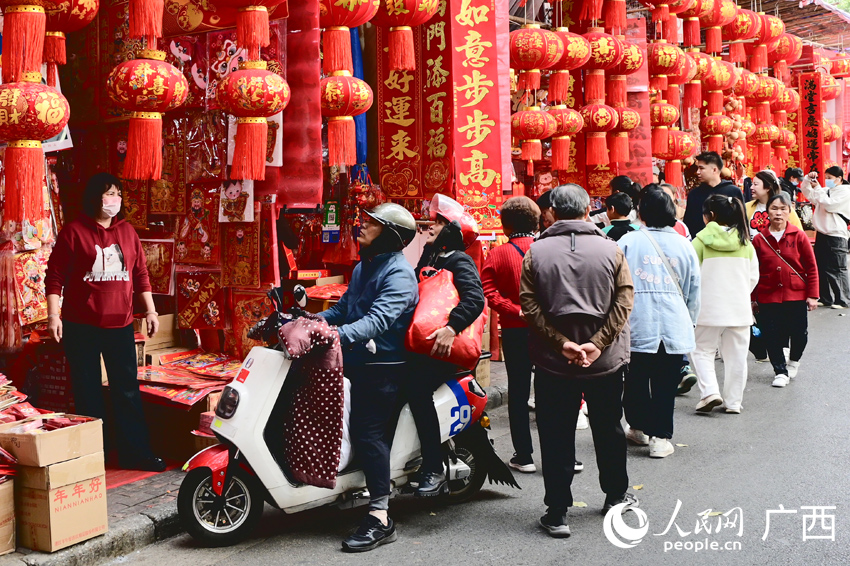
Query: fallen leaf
x=579 y=504
x=682 y=445
x=433 y=514
x=637 y=486
x=715 y=513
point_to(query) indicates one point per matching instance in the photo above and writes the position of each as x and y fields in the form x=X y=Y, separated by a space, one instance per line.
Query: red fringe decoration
x=659 y=140
x=615 y=90
x=714 y=98
x=763 y=156
x=342 y=141
x=146 y=20
x=402 y=57
x=54 y=54
x=780 y=68
x=591 y=10
x=144 y=147
x=596 y=148
x=532 y=150
x=761 y=113
x=658 y=82
x=715 y=143
x=758 y=60
x=252 y=30
x=249 y=155
x=690 y=32
x=336 y=44
x=594 y=85
x=713 y=40
x=559 y=86
x=10 y=327
x=618 y=146
x=530 y=80
x=737 y=52
x=693 y=94
x=561 y=153
x=614 y=14
x=780 y=118
x=673 y=97
x=671 y=30
x=23 y=42
x=661 y=13
x=24 y=177
x=781 y=152
x=673 y=173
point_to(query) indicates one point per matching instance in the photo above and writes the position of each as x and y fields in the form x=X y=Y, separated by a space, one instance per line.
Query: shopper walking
x=576 y=294
x=666 y=281
x=830 y=219
x=729 y=272
x=765 y=185
x=787 y=288
x=709 y=165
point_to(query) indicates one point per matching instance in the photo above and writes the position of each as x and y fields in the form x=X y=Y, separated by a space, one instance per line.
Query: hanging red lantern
x=684 y=73
x=830 y=89
x=841 y=66
x=769 y=32
x=343 y=97
x=746 y=25
x=831 y=132
x=748 y=128
x=618 y=139
x=789 y=49
x=252 y=94
x=780 y=145
x=663 y=59
x=722 y=77
x=723 y=13
x=680 y=146
x=30 y=112
x=760 y=101
x=530 y=127
x=569 y=123
x=693 y=89
x=691 y=17
x=337 y=19
x=615 y=84
x=606 y=52
x=66 y=17
x=576 y=54
x=661 y=117
x=788 y=101
x=670 y=27
x=533 y=49
x=400 y=16
x=147 y=87
x=23 y=37
x=598 y=119
x=748 y=83
x=763 y=136
x=715 y=127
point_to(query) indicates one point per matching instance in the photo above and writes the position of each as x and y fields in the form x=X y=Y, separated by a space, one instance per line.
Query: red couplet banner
x=811 y=116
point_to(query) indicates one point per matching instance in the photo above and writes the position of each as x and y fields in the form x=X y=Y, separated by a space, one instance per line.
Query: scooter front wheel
x=219 y=520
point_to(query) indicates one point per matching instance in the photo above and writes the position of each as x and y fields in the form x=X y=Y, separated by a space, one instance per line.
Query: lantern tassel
x=596 y=149
x=615 y=90
x=673 y=173
x=714 y=98
x=715 y=143
x=671 y=30
x=780 y=118
x=693 y=94
x=23 y=41
x=559 y=86
x=758 y=60
x=781 y=152
x=737 y=52
x=252 y=30
x=659 y=140
x=763 y=159
x=146 y=20
x=661 y=13
x=690 y=32
x=342 y=141
x=618 y=145
x=402 y=54
x=713 y=40
x=249 y=155
x=614 y=14
x=761 y=113
x=532 y=150
x=561 y=153
x=594 y=85
x=54 y=55
x=780 y=68
x=591 y=10
x=24 y=164
x=673 y=96
x=529 y=80
x=742 y=145
x=658 y=82
x=144 y=147
x=336 y=43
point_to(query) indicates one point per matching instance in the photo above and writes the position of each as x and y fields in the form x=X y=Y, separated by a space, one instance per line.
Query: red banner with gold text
x=811 y=112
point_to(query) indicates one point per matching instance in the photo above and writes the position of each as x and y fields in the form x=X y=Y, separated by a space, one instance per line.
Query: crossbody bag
x=779 y=255
x=666 y=262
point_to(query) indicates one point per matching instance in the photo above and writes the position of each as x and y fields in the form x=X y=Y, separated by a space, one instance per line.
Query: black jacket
x=789 y=188
x=696 y=198
x=468 y=285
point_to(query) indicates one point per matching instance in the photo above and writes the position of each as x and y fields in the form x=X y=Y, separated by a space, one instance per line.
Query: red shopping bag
x=437 y=297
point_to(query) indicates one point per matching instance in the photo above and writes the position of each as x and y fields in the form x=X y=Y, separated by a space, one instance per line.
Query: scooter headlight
x=227 y=404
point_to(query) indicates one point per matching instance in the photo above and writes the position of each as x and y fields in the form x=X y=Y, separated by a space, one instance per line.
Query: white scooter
x=221 y=498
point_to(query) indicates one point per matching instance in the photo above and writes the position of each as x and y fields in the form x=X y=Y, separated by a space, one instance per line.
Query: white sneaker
x=707 y=404
x=793 y=368
x=781 y=380
x=660 y=447
x=637 y=437
x=584 y=407
x=582 y=423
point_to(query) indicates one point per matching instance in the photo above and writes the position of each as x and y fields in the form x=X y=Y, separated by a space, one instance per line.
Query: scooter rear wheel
x=461 y=491
x=214 y=522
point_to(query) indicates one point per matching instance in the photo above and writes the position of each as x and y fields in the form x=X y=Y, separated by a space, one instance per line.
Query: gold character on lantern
x=396 y=8
x=428 y=5
x=477 y=172
x=436 y=107
x=399 y=80
x=470 y=16
x=333 y=91
x=436 y=146
x=476 y=128
x=475 y=88
x=400 y=149
x=350 y=5
x=398 y=110
x=474 y=50
x=437 y=31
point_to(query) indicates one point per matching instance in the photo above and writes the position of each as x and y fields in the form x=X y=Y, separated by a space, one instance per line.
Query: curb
x=497 y=395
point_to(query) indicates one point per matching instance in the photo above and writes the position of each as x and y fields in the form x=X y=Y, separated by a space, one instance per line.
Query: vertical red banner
x=438 y=106
x=811 y=111
x=400 y=141
x=639 y=166
x=478 y=126
x=793 y=126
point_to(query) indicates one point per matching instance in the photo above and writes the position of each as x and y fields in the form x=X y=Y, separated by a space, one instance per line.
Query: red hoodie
x=99 y=269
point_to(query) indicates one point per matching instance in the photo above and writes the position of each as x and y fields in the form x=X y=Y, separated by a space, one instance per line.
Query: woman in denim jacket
x=662 y=321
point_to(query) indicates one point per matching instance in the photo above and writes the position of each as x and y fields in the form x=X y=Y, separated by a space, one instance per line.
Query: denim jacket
x=660 y=314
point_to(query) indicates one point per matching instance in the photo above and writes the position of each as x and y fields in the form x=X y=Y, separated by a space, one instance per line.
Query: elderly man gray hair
x=571 y=202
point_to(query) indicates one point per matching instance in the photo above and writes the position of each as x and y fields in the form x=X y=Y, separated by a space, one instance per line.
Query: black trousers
x=558 y=400
x=84 y=344
x=831 y=256
x=424 y=376
x=782 y=322
x=518 y=366
x=374 y=397
x=649 y=396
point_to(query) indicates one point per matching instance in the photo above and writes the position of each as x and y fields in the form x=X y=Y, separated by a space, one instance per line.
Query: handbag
x=437 y=297
x=666 y=262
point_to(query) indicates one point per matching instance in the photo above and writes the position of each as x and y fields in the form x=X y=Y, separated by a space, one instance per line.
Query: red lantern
x=841 y=66
x=147 y=87
x=693 y=89
x=714 y=127
x=598 y=119
x=400 y=16
x=30 y=112
x=691 y=17
x=763 y=137
x=576 y=54
x=746 y=25
x=830 y=89
x=606 y=52
x=680 y=146
x=663 y=60
x=723 y=13
x=530 y=127
x=252 y=94
x=661 y=117
x=685 y=72
x=788 y=101
x=722 y=77
x=66 y=17
x=789 y=49
x=23 y=37
x=343 y=98
x=771 y=29
x=760 y=101
x=533 y=49
x=781 y=144
x=633 y=60
x=831 y=132
x=627 y=121
x=337 y=18
x=670 y=28
x=569 y=123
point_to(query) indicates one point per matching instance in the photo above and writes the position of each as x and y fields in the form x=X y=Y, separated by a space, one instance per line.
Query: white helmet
x=396 y=218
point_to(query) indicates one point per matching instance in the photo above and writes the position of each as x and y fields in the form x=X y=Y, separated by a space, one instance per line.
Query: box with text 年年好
x=41 y=448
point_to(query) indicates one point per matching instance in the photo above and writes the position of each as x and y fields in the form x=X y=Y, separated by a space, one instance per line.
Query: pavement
x=788 y=450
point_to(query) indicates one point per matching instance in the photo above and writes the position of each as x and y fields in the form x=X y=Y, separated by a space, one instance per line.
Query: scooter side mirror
x=300 y=294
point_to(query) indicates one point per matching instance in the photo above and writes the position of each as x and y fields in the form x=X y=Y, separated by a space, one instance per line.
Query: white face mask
x=830 y=183
x=111 y=206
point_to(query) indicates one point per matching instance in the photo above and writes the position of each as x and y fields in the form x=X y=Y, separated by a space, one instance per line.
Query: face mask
x=111 y=206
x=795 y=183
x=830 y=183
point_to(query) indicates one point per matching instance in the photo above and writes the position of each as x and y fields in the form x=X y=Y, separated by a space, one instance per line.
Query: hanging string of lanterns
x=343 y=97
x=337 y=18
x=401 y=16
x=65 y=17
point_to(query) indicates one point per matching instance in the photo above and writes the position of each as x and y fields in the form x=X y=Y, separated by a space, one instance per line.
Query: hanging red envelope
x=269 y=266
x=160 y=261
x=197 y=238
x=30 y=268
x=249 y=308
x=168 y=194
x=240 y=262
x=206 y=145
x=200 y=300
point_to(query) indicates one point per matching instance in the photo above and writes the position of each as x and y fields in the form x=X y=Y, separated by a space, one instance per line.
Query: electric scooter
x=221 y=497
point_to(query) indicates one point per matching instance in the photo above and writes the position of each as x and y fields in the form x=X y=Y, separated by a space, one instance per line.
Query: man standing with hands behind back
x=576 y=294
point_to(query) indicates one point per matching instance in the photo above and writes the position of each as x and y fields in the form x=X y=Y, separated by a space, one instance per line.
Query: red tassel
x=559 y=86
x=618 y=146
x=342 y=141
x=671 y=30
x=529 y=168
x=336 y=49
x=672 y=95
x=715 y=143
x=615 y=90
x=144 y=147
x=24 y=166
x=561 y=153
x=758 y=60
x=532 y=150
x=529 y=80
x=763 y=156
x=714 y=98
x=591 y=10
x=780 y=118
x=614 y=14
x=690 y=32
x=658 y=82
x=673 y=173
x=737 y=52
x=23 y=41
x=659 y=140
x=596 y=149
x=249 y=155
x=54 y=54
x=252 y=30
x=713 y=40
x=780 y=68
x=146 y=20
x=594 y=85
x=761 y=113
x=402 y=55
x=693 y=94
x=781 y=152
x=10 y=327
x=661 y=13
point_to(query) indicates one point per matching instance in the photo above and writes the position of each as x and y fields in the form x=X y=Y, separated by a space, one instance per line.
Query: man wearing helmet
x=377 y=307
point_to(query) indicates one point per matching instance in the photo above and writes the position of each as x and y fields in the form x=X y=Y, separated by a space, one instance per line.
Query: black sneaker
x=578 y=467
x=431 y=485
x=611 y=501
x=523 y=464
x=689 y=379
x=370 y=534
x=555 y=523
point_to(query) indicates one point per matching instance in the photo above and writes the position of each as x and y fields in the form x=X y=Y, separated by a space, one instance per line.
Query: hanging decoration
x=24 y=23
x=788 y=50
x=722 y=14
x=691 y=17
x=606 y=52
x=760 y=101
x=763 y=137
x=684 y=73
x=336 y=18
x=693 y=89
x=663 y=60
x=661 y=116
x=569 y=123
x=65 y=17
x=400 y=16
x=343 y=97
x=787 y=102
x=841 y=66
x=615 y=80
x=670 y=27
x=618 y=139
x=680 y=146
x=532 y=50
x=722 y=77
x=576 y=54
x=715 y=127
x=745 y=27
x=530 y=127
x=781 y=144
x=598 y=120
x=769 y=32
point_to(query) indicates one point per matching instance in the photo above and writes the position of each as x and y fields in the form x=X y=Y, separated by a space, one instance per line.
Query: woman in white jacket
x=729 y=272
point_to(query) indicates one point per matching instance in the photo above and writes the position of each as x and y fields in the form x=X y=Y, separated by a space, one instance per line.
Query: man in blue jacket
x=373 y=316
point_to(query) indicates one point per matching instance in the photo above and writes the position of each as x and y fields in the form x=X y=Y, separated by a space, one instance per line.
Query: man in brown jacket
x=576 y=294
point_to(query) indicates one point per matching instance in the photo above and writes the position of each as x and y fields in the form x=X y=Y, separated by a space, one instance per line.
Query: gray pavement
x=789 y=447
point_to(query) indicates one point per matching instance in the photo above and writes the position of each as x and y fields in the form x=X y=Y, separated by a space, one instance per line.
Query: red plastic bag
x=437 y=297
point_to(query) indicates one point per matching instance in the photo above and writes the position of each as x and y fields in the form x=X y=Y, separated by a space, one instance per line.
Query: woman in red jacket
x=787 y=287
x=98 y=263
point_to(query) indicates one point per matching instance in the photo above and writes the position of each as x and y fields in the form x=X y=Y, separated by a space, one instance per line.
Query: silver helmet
x=396 y=218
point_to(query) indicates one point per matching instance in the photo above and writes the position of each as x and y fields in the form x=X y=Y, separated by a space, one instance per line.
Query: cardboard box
x=7 y=517
x=44 y=448
x=53 y=516
x=166 y=337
